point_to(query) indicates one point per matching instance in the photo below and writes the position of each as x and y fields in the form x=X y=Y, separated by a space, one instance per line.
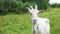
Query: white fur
x=42 y=24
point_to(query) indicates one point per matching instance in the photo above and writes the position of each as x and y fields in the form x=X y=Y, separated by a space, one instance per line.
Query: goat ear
x=40 y=11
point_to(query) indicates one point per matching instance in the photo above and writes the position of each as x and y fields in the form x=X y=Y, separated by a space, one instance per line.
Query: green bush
x=7 y=6
x=13 y=6
x=58 y=5
x=42 y=4
x=21 y=8
x=54 y=5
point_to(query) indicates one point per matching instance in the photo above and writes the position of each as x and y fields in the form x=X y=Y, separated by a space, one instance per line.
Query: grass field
x=21 y=24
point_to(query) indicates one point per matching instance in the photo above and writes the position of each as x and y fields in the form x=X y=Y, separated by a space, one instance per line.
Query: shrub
x=54 y=5
x=21 y=8
x=7 y=6
x=42 y=4
x=13 y=6
x=58 y=5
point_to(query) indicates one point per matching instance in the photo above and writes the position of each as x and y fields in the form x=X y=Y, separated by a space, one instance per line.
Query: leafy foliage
x=13 y=6
x=19 y=6
x=58 y=5
x=7 y=6
x=22 y=6
x=55 y=5
x=42 y=4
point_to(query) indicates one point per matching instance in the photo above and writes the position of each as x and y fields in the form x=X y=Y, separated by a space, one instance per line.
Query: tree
x=54 y=5
x=7 y=6
x=42 y=4
x=58 y=5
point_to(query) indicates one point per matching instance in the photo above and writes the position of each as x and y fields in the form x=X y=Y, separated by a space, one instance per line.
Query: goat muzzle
x=34 y=21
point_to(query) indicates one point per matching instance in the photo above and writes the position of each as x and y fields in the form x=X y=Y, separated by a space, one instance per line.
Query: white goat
x=40 y=25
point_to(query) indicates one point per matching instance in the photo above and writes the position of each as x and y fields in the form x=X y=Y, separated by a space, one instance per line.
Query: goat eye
x=40 y=12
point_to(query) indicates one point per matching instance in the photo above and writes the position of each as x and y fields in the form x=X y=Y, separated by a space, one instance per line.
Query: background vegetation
x=55 y=5
x=15 y=19
x=19 y=6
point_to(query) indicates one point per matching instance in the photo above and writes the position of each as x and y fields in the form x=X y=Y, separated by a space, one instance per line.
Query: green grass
x=21 y=24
